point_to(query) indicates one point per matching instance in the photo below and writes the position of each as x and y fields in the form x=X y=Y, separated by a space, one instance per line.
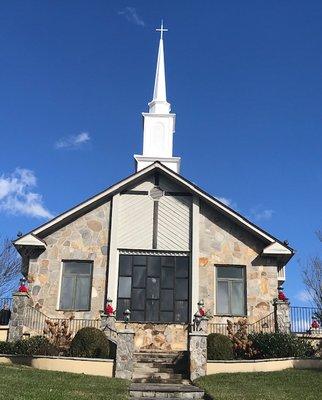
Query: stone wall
x=86 y=238
x=166 y=337
x=225 y=242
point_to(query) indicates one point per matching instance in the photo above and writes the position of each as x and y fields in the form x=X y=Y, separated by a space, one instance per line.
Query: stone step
x=146 y=390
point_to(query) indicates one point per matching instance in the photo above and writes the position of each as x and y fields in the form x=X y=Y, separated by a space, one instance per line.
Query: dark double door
x=154 y=288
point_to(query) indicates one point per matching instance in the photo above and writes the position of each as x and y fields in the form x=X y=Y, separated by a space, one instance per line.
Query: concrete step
x=161 y=391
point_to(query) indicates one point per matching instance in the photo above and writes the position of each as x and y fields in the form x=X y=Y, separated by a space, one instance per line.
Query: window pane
x=83 y=286
x=76 y=268
x=125 y=267
x=125 y=286
x=237 y=298
x=66 y=293
x=230 y=272
x=167 y=277
x=153 y=288
x=137 y=316
x=182 y=290
x=139 y=276
x=154 y=266
x=222 y=298
x=139 y=260
x=152 y=310
x=181 y=311
x=138 y=299
x=166 y=300
x=182 y=267
x=167 y=261
x=166 y=316
x=122 y=305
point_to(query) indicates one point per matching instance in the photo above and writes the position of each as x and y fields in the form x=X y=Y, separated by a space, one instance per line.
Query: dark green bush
x=219 y=347
x=35 y=346
x=279 y=345
x=90 y=342
x=6 y=348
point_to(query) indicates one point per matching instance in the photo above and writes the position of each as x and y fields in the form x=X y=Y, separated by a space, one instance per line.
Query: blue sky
x=244 y=78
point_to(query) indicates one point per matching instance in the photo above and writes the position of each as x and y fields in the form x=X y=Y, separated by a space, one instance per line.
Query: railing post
x=282 y=316
x=20 y=301
x=124 y=354
x=198 y=349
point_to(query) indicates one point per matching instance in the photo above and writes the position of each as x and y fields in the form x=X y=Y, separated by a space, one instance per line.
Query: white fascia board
x=30 y=240
x=86 y=203
x=184 y=182
x=276 y=249
x=219 y=205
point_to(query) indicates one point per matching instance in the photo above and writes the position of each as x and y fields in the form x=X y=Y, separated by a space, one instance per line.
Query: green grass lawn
x=290 y=384
x=25 y=383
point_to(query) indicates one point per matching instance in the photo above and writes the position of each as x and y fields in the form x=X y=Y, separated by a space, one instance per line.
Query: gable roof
x=279 y=247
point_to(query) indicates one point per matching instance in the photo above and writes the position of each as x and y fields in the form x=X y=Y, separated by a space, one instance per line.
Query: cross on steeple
x=161 y=30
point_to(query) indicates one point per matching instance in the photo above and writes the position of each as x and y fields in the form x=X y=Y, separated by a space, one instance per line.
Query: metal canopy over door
x=154 y=287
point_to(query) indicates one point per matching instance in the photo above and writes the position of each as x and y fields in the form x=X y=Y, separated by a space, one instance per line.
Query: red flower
x=281 y=296
x=202 y=312
x=109 y=310
x=315 y=324
x=23 y=289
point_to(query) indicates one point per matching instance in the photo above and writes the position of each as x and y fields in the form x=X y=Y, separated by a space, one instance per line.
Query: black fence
x=305 y=319
x=4 y=301
x=265 y=325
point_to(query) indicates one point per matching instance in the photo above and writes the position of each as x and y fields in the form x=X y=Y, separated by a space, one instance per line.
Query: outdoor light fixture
x=197 y=319
x=127 y=314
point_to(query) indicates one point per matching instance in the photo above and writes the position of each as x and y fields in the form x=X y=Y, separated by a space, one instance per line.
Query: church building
x=155 y=244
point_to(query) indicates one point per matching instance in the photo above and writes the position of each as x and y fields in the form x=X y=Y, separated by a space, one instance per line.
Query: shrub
x=35 y=346
x=6 y=348
x=242 y=344
x=219 y=347
x=275 y=345
x=90 y=342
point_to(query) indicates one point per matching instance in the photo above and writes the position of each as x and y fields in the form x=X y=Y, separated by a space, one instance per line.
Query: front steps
x=166 y=368
x=162 y=391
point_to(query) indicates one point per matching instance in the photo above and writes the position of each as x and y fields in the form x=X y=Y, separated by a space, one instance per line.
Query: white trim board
x=284 y=249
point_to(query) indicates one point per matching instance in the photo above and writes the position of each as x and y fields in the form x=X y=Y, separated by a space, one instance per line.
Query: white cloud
x=225 y=201
x=73 y=141
x=259 y=213
x=131 y=15
x=17 y=197
x=303 y=296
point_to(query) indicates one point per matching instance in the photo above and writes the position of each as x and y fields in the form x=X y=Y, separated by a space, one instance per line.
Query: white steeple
x=159 y=123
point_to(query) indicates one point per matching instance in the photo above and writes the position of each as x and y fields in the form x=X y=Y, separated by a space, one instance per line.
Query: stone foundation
x=158 y=337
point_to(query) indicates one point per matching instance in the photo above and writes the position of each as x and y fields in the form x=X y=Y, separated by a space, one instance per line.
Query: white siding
x=174 y=223
x=135 y=222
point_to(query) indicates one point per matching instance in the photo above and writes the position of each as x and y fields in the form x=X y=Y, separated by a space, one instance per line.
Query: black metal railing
x=5 y=300
x=37 y=322
x=303 y=317
x=264 y=325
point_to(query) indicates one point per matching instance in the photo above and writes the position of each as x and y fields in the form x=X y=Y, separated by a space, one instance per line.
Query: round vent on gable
x=156 y=193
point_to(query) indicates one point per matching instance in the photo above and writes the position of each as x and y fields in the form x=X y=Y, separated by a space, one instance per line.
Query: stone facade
x=86 y=238
x=156 y=337
x=198 y=354
x=19 y=311
x=124 y=354
x=224 y=242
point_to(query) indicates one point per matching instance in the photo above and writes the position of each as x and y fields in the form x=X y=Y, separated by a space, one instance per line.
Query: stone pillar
x=198 y=354
x=107 y=321
x=282 y=316
x=20 y=301
x=124 y=354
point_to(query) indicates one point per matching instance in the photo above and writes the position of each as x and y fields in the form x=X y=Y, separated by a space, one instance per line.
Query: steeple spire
x=159 y=122
x=159 y=104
